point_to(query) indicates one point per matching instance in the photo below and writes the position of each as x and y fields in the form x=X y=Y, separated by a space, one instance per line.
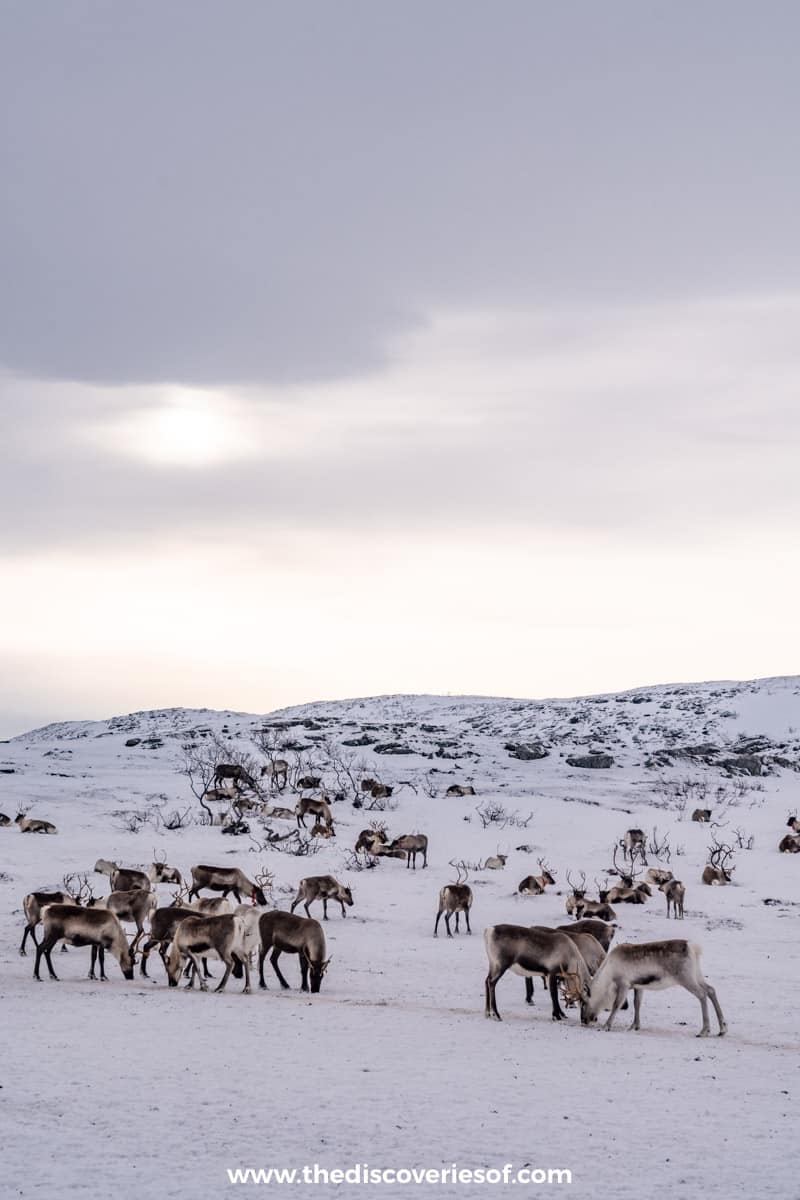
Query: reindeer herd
x=576 y=960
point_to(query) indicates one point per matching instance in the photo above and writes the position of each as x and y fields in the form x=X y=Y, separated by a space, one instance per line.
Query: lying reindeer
x=650 y=965
x=534 y=885
x=33 y=825
x=283 y=933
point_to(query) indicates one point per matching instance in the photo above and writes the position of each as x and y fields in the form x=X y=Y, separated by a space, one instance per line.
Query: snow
x=393 y=1063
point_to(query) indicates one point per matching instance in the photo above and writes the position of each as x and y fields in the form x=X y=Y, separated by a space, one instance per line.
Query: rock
x=393 y=748
x=133 y=741
x=527 y=751
x=743 y=764
x=592 y=762
x=364 y=740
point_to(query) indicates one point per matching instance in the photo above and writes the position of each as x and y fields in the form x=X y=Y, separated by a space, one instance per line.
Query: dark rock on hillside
x=592 y=762
x=527 y=751
x=133 y=741
x=744 y=764
x=364 y=740
x=393 y=748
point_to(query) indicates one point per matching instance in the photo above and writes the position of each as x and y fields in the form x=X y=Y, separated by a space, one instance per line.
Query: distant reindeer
x=495 y=862
x=123 y=879
x=83 y=927
x=634 y=845
x=277 y=772
x=283 y=933
x=719 y=869
x=220 y=795
x=577 y=893
x=534 y=885
x=227 y=880
x=454 y=898
x=702 y=815
x=317 y=808
x=33 y=825
x=460 y=789
x=306 y=783
x=578 y=906
x=279 y=814
x=790 y=844
x=629 y=891
x=374 y=836
x=73 y=892
x=160 y=873
x=324 y=888
x=794 y=822
x=533 y=951
x=674 y=891
x=649 y=965
x=227 y=938
x=413 y=844
x=239 y=775
x=657 y=876
x=318 y=829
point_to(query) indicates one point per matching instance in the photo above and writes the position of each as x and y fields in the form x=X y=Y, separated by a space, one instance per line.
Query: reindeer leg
x=197 y=972
x=274 y=960
x=101 y=954
x=94 y=960
x=637 y=1005
x=447 y=923
x=324 y=908
x=558 y=1012
x=435 y=927
x=262 y=954
x=47 y=950
x=618 y=999
x=344 y=911
x=457 y=917
x=246 y=965
x=491 y=998
x=303 y=973
x=528 y=989
x=221 y=985
x=28 y=930
x=148 y=946
x=466 y=918
x=712 y=995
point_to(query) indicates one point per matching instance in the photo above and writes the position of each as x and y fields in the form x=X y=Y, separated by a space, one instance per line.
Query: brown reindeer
x=33 y=825
x=134 y=906
x=83 y=927
x=324 y=888
x=160 y=873
x=454 y=898
x=317 y=808
x=322 y=831
x=163 y=923
x=702 y=815
x=674 y=891
x=413 y=844
x=533 y=951
x=74 y=892
x=227 y=938
x=225 y=880
x=794 y=822
x=658 y=875
x=534 y=885
x=790 y=844
x=592 y=952
x=283 y=933
x=234 y=771
x=719 y=870
x=277 y=772
x=368 y=838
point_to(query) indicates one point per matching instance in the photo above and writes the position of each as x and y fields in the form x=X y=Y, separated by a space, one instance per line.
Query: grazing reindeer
x=600 y=930
x=534 y=951
x=719 y=869
x=35 y=902
x=534 y=885
x=135 y=906
x=379 y=791
x=592 y=953
x=413 y=844
x=650 y=965
x=225 y=880
x=277 y=772
x=123 y=879
x=317 y=808
x=495 y=862
x=283 y=933
x=790 y=844
x=33 y=825
x=83 y=927
x=322 y=831
x=324 y=888
x=225 y=937
x=233 y=771
x=674 y=891
x=160 y=873
x=163 y=923
x=794 y=822
x=657 y=876
x=702 y=815
x=454 y=898
x=634 y=845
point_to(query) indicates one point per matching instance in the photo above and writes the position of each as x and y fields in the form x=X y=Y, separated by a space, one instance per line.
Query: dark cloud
x=209 y=194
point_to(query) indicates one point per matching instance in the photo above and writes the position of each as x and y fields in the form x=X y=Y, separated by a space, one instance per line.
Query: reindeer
x=702 y=815
x=380 y=791
x=283 y=933
x=239 y=775
x=592 y=952
x=657 y=876
x=674 y=891
x=790 y=844
x=35 y=902
x=324 y=888
x=577 y=894
x=628 y=891
x=794 y=822
x=159 y=872
x=226 y=937
x=317 y=808
x=600 y=930
x=163 y=923
x=650 y=965
x=135 y=906
x=719 y=869
x=534 y=951
x=368 y=838
x=322 y=831
x=495 y=862
x=220 y=795
x=413 y=844
x=277 y=813
x=534 y=885
x=4 y=819
x=225 y=880
x=577 y=905
x=454 y=898
x=634 y=845
x=33 y=825
x=460 y=789
x=83 y=927
x=123 y=879
x=277 y=772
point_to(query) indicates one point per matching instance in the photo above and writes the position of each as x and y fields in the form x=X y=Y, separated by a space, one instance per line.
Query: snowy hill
x=401 y=1066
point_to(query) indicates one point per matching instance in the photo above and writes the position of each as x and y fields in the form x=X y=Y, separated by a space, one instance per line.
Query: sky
x=406 y=347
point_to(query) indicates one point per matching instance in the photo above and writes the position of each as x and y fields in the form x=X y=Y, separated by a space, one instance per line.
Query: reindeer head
x=578 y=890
x=548 y=874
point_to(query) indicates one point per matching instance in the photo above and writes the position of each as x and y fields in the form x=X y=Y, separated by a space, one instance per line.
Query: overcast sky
x=372 y=347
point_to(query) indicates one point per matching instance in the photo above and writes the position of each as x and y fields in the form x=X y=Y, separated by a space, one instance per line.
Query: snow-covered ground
x=136 y=1089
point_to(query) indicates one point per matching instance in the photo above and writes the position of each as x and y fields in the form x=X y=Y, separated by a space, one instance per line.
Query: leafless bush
x=493 y=813
x=178 y=819
x=294 y=842
x=200 y=762
x=659 y=847
x=744 y=841
x=359 y=861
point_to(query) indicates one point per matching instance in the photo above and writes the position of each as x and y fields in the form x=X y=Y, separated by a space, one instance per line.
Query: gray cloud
x=207 y=194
